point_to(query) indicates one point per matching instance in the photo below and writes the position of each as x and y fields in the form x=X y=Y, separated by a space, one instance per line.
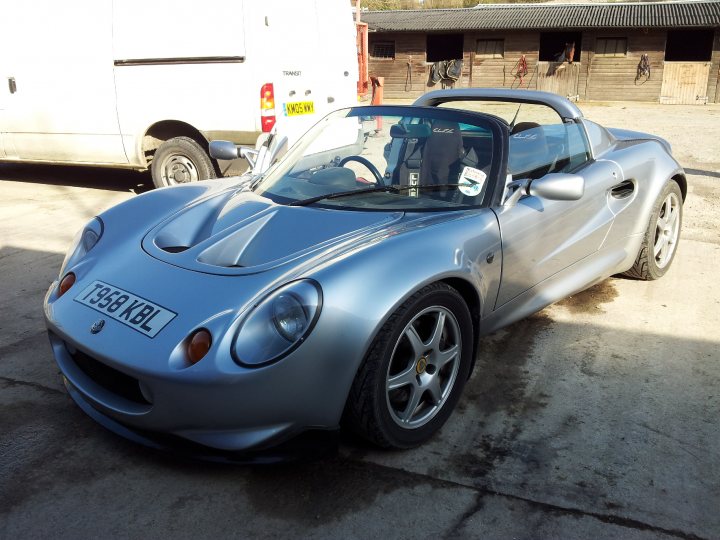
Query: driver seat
x=442 y=153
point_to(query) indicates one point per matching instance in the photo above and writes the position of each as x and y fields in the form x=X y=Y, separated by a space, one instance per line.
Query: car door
x=541 y=237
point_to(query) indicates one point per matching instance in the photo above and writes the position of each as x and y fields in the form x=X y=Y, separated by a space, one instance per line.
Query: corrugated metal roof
x=545 y=16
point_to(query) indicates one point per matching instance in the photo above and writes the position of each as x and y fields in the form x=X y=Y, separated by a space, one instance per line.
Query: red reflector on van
x=268 y=122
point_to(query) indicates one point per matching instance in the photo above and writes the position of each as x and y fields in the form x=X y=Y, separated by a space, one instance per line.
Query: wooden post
x=470 y=75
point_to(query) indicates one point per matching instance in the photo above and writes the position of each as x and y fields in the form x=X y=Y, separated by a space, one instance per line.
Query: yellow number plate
x=299 y=107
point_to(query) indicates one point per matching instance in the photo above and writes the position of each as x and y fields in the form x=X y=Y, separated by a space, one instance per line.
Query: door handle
x=12 y=86
x=623 y=189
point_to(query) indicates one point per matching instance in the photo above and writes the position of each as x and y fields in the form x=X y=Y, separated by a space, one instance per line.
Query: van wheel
x=180 y=160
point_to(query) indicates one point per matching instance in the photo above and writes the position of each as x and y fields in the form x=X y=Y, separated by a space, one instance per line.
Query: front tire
x=180 y=160
x=415 y=371
x=662 y=236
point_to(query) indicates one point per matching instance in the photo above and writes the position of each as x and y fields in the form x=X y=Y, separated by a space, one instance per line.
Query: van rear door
x=339 y=52
x=311 y=51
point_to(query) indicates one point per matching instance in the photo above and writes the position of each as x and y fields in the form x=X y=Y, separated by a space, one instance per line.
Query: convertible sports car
x=351 y=283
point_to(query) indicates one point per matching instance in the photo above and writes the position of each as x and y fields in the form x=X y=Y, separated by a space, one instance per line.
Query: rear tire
x=662 y=236
x=415 y=371
x=180 y=160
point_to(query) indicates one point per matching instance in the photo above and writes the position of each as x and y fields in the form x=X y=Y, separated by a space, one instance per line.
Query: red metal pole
x=377 y=97
x=362 y=54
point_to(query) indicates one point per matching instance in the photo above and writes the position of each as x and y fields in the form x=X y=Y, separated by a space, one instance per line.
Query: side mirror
x=229 y=151
x=558 y=187
x=223 y=150
x=269 y=149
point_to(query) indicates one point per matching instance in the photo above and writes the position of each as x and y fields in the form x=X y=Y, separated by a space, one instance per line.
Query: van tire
x=180 y=160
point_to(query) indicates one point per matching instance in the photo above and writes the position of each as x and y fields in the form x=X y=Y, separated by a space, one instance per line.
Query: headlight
x=278 y=324
x=83 y=242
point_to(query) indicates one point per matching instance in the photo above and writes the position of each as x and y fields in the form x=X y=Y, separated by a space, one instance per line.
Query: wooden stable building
x=518 y=45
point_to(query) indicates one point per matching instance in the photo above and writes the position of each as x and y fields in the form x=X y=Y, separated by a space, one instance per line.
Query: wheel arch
x=467 y=291
x=164 y=130
x=472 y=299
x=355 y=409
x=451 y=265
x=681 y=181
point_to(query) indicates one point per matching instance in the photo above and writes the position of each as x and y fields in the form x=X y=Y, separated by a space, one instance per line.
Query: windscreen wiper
x=374 y=189
x=305 y=202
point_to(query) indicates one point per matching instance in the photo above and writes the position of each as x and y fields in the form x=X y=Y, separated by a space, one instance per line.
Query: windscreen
x=388 y=158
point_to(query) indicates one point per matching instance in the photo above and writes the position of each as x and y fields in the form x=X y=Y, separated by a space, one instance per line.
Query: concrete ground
x=595 y=418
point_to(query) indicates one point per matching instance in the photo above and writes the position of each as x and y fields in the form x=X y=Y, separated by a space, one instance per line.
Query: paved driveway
x=595 y=418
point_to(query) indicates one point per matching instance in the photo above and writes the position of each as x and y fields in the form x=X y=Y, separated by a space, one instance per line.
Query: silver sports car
x=351 y=282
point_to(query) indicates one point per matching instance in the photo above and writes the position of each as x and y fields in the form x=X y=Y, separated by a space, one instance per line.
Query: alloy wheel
x=423 y=367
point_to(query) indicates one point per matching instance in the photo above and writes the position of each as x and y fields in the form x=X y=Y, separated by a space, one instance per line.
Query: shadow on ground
x=87 y=177
x=700 y=172
x=551 y=428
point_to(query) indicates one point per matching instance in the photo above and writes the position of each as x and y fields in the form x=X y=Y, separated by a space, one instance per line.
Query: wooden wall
x=599 y=78
x=613 y=78
x=501 y=72
x=409 y=47
x=478 y=72
x=713 y=89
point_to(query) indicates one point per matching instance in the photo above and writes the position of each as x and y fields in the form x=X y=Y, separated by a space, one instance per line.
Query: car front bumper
x=309 y=444
x=119 y=409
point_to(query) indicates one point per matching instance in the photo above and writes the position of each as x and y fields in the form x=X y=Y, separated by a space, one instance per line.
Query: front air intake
x=174 y=249
x=111 y=379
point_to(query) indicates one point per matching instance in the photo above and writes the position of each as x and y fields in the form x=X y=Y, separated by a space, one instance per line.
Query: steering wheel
x=372 y=168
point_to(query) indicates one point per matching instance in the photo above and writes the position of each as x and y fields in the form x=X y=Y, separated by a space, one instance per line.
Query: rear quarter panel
x=649 y=166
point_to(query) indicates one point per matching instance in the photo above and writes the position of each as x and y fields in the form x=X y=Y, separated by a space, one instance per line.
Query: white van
x=147 y=84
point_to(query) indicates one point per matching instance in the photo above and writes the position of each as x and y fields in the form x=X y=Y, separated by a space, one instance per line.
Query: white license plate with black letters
x=134 y=311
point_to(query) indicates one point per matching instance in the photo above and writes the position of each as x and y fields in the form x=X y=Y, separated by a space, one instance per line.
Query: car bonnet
x=242 y=233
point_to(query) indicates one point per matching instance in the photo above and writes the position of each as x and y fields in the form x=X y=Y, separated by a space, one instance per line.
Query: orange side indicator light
x=198 y=345
x=65 y=284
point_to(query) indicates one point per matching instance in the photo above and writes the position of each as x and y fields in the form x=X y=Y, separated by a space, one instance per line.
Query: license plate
x=134 y=311
x=297 y=108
